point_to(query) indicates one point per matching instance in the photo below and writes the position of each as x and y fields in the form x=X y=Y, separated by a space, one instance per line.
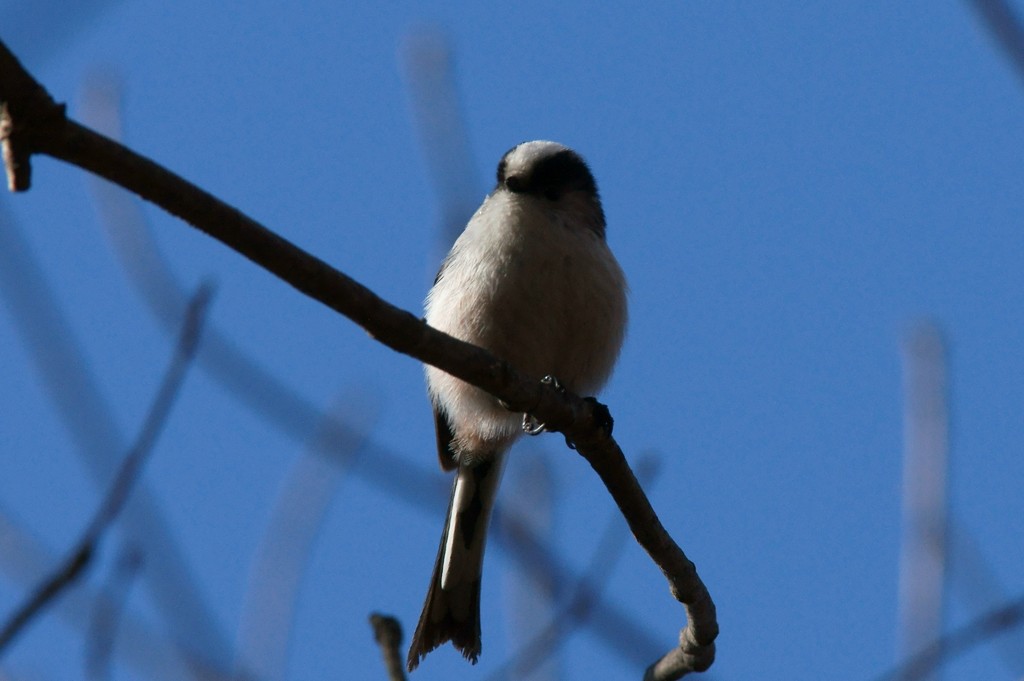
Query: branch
x=583 y=422
x=979 y=630
x=388 y=633
x=429 y=64
x=579 y=606
x=106 y=615
x=1006 y=27
x=64 y=373
x=923 y=554
x=146 y=650
x=50 y=133
x=73 y=566
x=284 y=551
x=696 y=650
x=976 y=584
x=24 y=105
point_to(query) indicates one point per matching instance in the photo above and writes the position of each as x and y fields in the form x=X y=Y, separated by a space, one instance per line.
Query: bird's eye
x=514 y=184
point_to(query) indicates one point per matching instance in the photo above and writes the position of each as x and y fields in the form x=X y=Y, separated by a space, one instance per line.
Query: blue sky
x=788 y=186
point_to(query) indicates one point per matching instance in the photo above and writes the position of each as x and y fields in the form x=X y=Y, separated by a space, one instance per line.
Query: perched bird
x=532 y=280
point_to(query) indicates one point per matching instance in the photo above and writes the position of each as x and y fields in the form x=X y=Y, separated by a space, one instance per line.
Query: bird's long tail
x=452 y=609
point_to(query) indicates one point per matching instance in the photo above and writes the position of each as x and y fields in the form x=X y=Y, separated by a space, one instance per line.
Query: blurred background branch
x=925 y=463
x=107 y=615
x=577 y=599
x=275 y=576
x=387 y=631
x=142 y=647
x=979 y=631
x=1004 y=23
x=51 y=343
x=79 y=558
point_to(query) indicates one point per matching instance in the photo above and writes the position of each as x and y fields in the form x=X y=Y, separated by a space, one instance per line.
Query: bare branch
x=99 y=641
x=276 y=571
x=925 y=462
x=22 y=99
x=387 y=631
x=584 y=422
x=72 y=567
x=429 y=65
x=66 y=140
x=585 y=593
x=979 y=588
x=1006 y=27
x=143 y=648
x=530 y=605
x=976 y=632
x=62 y=366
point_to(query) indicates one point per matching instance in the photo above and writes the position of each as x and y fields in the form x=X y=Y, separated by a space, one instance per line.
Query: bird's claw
x=531 y=426
x=553 y=382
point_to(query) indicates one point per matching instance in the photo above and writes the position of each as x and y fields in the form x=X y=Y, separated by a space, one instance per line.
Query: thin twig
x=64 y=371
x=978 y=587
x=387 y=631
x=579 y=606
x=583 y=422
x=976 y=632
x=106 y=616
x=922 y=575
x=79 y=558
x=144 y=649
x=529 y=603
x=22 y=99
x=1006 y=27
x=429 y=65
x=284 y=551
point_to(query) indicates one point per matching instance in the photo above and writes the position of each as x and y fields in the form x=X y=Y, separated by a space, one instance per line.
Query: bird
x=532 y=280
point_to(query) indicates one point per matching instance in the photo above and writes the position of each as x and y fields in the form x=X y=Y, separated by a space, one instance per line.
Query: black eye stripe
x=502 y=166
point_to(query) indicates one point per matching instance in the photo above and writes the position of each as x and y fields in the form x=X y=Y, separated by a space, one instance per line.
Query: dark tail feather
x=439 y=623
x=452 y=611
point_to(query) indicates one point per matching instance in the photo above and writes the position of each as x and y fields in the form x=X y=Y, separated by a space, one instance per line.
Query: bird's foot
x=532 y=426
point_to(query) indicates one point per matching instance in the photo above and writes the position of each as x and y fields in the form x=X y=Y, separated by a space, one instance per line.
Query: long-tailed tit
x=530 y=279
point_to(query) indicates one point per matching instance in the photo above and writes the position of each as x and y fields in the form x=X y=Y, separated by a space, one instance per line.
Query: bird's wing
x=444 y=440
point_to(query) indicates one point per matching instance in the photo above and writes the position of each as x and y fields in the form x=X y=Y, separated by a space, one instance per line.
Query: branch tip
x=387 y=631
x=28 y=115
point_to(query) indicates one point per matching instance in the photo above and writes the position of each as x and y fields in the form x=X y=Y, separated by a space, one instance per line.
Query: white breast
x=546 y=295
